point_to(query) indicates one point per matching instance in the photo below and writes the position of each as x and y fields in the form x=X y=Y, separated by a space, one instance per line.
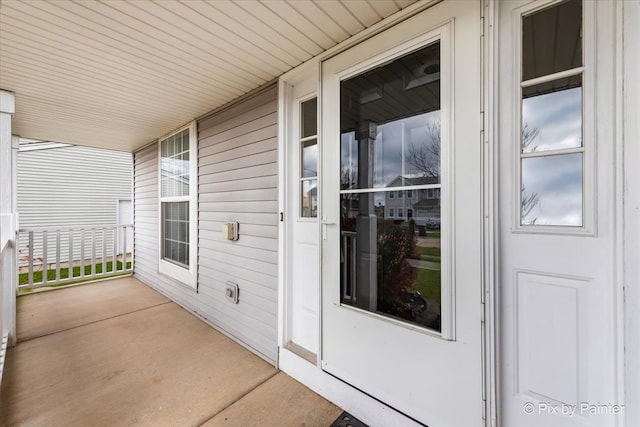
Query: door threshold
x=307 y=355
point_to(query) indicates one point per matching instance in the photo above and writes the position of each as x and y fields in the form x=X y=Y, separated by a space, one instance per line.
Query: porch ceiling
x=119 y=74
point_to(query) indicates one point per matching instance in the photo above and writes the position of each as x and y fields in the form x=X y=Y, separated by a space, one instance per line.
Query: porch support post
x=366 y=222
x=8 y=220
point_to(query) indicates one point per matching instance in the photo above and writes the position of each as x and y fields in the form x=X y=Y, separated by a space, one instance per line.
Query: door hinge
x=281 y=216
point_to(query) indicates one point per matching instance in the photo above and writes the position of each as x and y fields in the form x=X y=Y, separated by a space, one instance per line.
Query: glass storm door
x=401 y=216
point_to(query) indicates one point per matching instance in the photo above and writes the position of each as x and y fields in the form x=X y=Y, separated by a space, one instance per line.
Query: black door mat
x=347 y=420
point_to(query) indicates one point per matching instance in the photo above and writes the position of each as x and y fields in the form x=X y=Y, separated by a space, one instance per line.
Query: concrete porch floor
x=117 y=353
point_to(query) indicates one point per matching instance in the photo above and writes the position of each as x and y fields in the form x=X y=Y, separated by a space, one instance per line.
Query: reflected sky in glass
x=395 y=149
x=308 y=118
x=309 y=159
x=556 y=119
x=554 y=186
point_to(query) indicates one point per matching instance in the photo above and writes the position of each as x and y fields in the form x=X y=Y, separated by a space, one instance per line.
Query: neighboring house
x=536 y=272
x=63 y=187
x=421 y=205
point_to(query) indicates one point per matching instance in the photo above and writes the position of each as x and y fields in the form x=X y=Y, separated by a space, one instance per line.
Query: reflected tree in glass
x=426 y=157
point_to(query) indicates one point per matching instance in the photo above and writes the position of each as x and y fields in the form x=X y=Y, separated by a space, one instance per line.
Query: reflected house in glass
x=422 y=206
x=309 y=200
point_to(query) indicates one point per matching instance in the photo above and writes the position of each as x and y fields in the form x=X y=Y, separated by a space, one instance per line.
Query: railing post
x=45 y=265
x=30 y=258
x=57 y=254
x=104 y=251
x=82 y=252
x=114 y=263
x=124 y=248
x=70 y=271
x=93 y=252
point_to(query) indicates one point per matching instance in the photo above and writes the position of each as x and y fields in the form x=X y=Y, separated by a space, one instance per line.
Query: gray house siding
x=237 y=180
x=71 y=187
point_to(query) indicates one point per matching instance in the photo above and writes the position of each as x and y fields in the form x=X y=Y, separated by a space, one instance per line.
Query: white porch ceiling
x=119 y=74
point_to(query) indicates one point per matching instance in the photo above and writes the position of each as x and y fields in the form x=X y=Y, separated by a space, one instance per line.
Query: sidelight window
x=309 y=159
x=552 y=149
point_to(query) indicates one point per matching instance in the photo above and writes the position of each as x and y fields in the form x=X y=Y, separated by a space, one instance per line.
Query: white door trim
x=628 y=84
x=490 y=198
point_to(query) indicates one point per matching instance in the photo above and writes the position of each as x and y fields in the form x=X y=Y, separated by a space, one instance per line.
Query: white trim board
x=629 y=18
x=362 y=406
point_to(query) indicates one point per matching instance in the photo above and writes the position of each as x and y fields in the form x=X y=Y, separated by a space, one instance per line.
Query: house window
x=551 y=132
x=409 y=194
x=400 y=213
x=178 y=208
x=400 y=194
x=390 y=212
x=409 y=213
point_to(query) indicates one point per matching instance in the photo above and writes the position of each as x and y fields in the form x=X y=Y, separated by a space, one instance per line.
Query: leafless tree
x=348 y=176
x=426 y=158
x=528 y=202
x=528 y=136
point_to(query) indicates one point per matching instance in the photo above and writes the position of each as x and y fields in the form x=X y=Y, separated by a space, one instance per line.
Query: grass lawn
x=428 y=281
x=428 y=284
x=23 y=278
x=428 y=252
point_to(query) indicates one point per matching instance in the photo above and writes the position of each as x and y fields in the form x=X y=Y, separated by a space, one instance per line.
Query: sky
x=391 y=147
x=557 y=179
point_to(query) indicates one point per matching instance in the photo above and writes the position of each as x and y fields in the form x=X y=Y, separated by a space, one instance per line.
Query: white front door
x=302 y=272
x=401 y=216
x=557 y=282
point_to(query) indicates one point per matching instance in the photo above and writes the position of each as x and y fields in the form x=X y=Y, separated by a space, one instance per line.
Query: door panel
x=303 y=325
x=556 y=285
x=401 y=295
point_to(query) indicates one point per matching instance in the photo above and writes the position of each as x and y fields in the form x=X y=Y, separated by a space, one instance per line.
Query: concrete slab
x=281 y=401
x=44 y=313
x=158 y=366
x=117 y=353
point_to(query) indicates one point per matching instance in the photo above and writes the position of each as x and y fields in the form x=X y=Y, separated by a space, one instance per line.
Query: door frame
x=307 y=76
x=360 y=404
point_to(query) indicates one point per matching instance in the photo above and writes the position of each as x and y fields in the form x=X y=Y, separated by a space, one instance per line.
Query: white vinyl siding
x=237 y=181
x=71 y=187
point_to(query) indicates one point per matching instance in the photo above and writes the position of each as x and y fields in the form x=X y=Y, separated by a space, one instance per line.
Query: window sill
x=183 y=275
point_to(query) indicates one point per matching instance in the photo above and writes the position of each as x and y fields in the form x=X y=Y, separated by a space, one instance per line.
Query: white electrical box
x=230 y=230
x=232 y=292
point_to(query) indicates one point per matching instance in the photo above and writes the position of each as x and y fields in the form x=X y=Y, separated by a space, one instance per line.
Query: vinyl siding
x=237 y=181
x=71 y=187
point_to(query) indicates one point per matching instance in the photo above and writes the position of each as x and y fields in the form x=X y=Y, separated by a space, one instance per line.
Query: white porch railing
x=69 y=255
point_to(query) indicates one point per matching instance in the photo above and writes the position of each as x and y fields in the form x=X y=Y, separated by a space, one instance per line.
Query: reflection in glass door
x=401 y=317
x=390 y=182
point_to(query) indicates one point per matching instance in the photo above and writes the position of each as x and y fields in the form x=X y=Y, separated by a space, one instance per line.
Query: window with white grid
x=178 y=204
